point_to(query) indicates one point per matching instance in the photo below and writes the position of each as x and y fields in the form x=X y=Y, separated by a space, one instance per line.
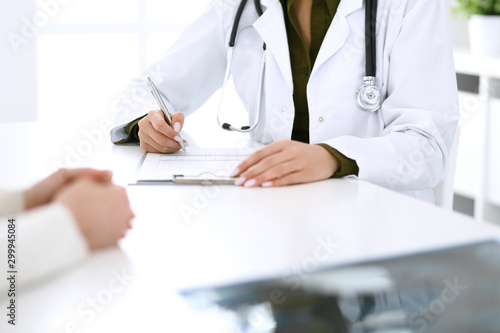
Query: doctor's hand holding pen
x=156 y=136
x=159 y=131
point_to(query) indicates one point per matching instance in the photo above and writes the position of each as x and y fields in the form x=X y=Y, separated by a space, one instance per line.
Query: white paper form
x=191 y=163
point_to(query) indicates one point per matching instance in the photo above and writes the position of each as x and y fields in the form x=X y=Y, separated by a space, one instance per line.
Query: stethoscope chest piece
x=368 y=97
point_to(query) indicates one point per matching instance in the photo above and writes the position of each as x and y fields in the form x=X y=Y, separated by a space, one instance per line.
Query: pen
x=164 y=109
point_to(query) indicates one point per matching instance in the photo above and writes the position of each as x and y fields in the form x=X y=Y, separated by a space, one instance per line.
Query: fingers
x=155 y=122
x=268 y=177
x=291 y=178
x=268 y=168
x=178 y=121
x=65 y=175
x=155 y=133
x=286 y=162
x=104 y=176
x=124 y=222
x=156 y=140
x=147 y=147
x=102 y=211
x=158 y=122
x=129 y=214
x=259 y=155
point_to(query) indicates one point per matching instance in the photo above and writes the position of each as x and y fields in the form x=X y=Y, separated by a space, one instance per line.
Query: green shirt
x=301 y=63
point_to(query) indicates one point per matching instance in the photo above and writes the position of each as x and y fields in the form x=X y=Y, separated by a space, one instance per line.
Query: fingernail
x=177 y=127
x=267 y=184
x=235 y=172
x=250 y=183
x=186 y=144
x=239 y=181
x=177 y=138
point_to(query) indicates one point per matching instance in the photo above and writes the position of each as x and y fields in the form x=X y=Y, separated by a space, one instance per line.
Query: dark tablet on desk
x=455 y=290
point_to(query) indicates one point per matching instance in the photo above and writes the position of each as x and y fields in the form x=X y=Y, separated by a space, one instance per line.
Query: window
x=79 y=57
x=90 y=49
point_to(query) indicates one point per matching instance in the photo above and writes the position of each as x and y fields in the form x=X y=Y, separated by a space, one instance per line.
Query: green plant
x=478 y=7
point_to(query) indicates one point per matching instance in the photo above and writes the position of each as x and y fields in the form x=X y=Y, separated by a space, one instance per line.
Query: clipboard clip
x=206 y=179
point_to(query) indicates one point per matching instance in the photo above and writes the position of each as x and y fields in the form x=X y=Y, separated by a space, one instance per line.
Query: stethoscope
x=368 y=97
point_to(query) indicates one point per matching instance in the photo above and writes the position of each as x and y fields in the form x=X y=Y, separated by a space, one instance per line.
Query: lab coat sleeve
x=48 y=240
x=420 y=113
x=187 y=74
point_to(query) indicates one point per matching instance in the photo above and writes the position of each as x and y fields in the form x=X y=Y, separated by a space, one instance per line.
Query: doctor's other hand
x=44 y=191
x=156 y=136
x=286 y=162
x=102 y=211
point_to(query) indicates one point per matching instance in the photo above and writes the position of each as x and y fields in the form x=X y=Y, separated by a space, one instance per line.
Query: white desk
x=236 y=234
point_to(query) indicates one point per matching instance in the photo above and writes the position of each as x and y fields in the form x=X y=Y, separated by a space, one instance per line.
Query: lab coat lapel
x=271 y=27
x=338 y=32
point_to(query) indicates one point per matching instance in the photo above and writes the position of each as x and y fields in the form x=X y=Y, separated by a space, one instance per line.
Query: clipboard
x=205 y=166
x=206 y=179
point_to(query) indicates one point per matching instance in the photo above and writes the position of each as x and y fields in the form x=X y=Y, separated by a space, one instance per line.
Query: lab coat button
x=321 y=119
x=283 y=109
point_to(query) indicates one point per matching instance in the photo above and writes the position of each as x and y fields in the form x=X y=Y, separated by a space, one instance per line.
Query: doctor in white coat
x=403 y=146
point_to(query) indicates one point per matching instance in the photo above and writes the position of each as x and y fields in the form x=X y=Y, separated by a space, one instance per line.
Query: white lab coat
x=404 y=146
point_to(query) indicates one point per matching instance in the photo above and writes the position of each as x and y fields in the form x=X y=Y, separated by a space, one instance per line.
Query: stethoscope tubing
x=371 y=37
x=369 y=104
